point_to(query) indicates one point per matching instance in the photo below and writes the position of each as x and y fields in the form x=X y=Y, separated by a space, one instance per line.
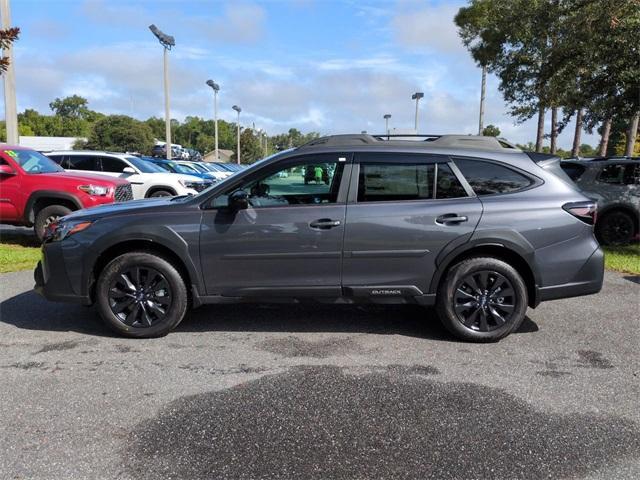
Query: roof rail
x=449 y=141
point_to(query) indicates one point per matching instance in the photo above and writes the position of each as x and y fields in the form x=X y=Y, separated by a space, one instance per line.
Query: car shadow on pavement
x=31 y=312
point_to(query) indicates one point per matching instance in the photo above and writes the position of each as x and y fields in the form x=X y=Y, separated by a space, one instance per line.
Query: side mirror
x=239 y=200
x=7 y=170
x=128 y=170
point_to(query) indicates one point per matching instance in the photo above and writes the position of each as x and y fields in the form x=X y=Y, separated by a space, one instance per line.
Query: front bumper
x=586 y=282
x=51 y=278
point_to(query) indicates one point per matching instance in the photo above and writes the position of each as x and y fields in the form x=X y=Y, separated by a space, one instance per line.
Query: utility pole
x=417 y=96
x=167 y=41
x=9 y=77
x=483 y=91
x=238 y=109
x=215 y=88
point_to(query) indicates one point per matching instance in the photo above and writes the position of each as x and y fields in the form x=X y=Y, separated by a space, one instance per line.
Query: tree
x=74 y=106
x=491 y=131
x=7 y=37
x=120 y=133
x=250 y=146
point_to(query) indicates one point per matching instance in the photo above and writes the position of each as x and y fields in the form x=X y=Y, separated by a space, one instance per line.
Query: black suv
x=470 y=224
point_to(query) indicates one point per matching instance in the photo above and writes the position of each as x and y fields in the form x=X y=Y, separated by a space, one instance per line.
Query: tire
x=131 y=308
x=455 y=304
x=161 y=193
x=615 y=228
x=47 y=215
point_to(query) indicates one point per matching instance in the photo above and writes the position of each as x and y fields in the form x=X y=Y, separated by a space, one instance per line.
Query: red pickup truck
x=35 y=191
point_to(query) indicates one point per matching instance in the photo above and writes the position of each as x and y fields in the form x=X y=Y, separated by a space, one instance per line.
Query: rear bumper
x=587 y=281
x=51 y=279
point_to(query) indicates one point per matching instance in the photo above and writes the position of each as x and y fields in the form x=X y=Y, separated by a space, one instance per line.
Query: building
x=44 y=144
x=226 y=156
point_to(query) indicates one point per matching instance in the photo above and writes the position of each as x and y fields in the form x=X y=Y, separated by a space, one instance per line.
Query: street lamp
x=167 y=41
x=215 y=88
x=417 y=96
x=386 y=117
x=238 y=109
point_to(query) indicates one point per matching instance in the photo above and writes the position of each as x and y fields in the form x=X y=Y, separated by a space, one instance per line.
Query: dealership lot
x=320 y=392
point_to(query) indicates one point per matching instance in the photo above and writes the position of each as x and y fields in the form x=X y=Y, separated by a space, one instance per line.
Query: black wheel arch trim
x=28 y=214
x=161 y=236
x=525 y=253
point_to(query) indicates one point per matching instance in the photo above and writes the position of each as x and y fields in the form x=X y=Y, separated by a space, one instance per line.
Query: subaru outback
x=470 y=225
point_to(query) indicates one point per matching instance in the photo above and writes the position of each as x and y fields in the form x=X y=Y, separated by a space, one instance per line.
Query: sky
x=316 y=65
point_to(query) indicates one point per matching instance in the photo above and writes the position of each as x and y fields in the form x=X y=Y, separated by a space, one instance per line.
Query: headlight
x=190 y=184
x=58 y=231
x=94 y=190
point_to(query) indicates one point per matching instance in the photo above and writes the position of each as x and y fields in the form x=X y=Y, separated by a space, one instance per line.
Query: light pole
x=386 y=117
x=215 y=88
x=238 y=109
x=10 y=109
x=167 y=41
x=417 y=96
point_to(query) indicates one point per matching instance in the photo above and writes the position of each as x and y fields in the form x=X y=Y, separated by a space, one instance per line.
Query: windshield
x=33 y=162
x=145 y=166
x=184 y=168
x=197 y=167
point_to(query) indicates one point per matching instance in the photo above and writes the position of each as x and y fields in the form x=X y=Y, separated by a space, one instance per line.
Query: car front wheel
x=46 y=217
x=142 y=295
x=482 y=299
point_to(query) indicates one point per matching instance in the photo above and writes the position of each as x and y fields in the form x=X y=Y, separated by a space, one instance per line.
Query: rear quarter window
x=573 y=170
x=487 y=178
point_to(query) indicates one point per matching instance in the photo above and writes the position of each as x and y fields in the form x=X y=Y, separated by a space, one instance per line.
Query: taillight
x=585 y=211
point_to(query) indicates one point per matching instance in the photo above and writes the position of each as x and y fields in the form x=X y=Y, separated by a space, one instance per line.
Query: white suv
x=147 y=180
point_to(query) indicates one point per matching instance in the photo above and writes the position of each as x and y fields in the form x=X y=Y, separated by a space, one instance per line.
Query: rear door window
x=384 y=182
x=82 y=162
x=613 y=174
x=488 y=178
x=115 y=165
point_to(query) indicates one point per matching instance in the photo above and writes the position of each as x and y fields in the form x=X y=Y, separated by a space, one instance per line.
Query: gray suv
x=471 y=225
x=614 y=183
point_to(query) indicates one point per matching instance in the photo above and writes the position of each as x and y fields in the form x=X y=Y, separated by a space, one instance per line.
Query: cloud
x=240 y=23
x=426 y=27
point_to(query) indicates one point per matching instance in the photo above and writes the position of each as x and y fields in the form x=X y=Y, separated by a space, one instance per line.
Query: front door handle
x=451 y=218
x=324 y=223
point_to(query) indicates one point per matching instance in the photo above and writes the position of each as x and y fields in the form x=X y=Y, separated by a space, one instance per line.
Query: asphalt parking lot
x=320 y=392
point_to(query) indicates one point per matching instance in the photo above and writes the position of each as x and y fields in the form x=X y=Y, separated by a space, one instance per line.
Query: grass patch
x=623 y=259
x=19 y=250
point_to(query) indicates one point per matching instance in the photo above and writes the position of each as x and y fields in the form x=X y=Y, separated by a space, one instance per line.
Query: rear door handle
x=451 y=218
x=324 y=223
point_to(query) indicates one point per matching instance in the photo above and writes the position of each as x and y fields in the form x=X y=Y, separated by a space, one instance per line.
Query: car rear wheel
x=615 y=228
x=142 y=295
x=46 y=217
x=482 y=299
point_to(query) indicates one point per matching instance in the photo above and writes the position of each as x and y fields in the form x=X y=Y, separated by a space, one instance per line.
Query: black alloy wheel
x=140 y=296
x=484 y=301
x=616 y=228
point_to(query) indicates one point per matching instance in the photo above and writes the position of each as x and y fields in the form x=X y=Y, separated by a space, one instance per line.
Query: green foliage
x=7 y=37
x=120 y=133
x=293 y=138
x=575 y=54
x=250 y=146
x=491 y=131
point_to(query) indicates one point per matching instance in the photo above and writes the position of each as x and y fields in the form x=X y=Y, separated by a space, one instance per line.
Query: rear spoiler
x=540 y=157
